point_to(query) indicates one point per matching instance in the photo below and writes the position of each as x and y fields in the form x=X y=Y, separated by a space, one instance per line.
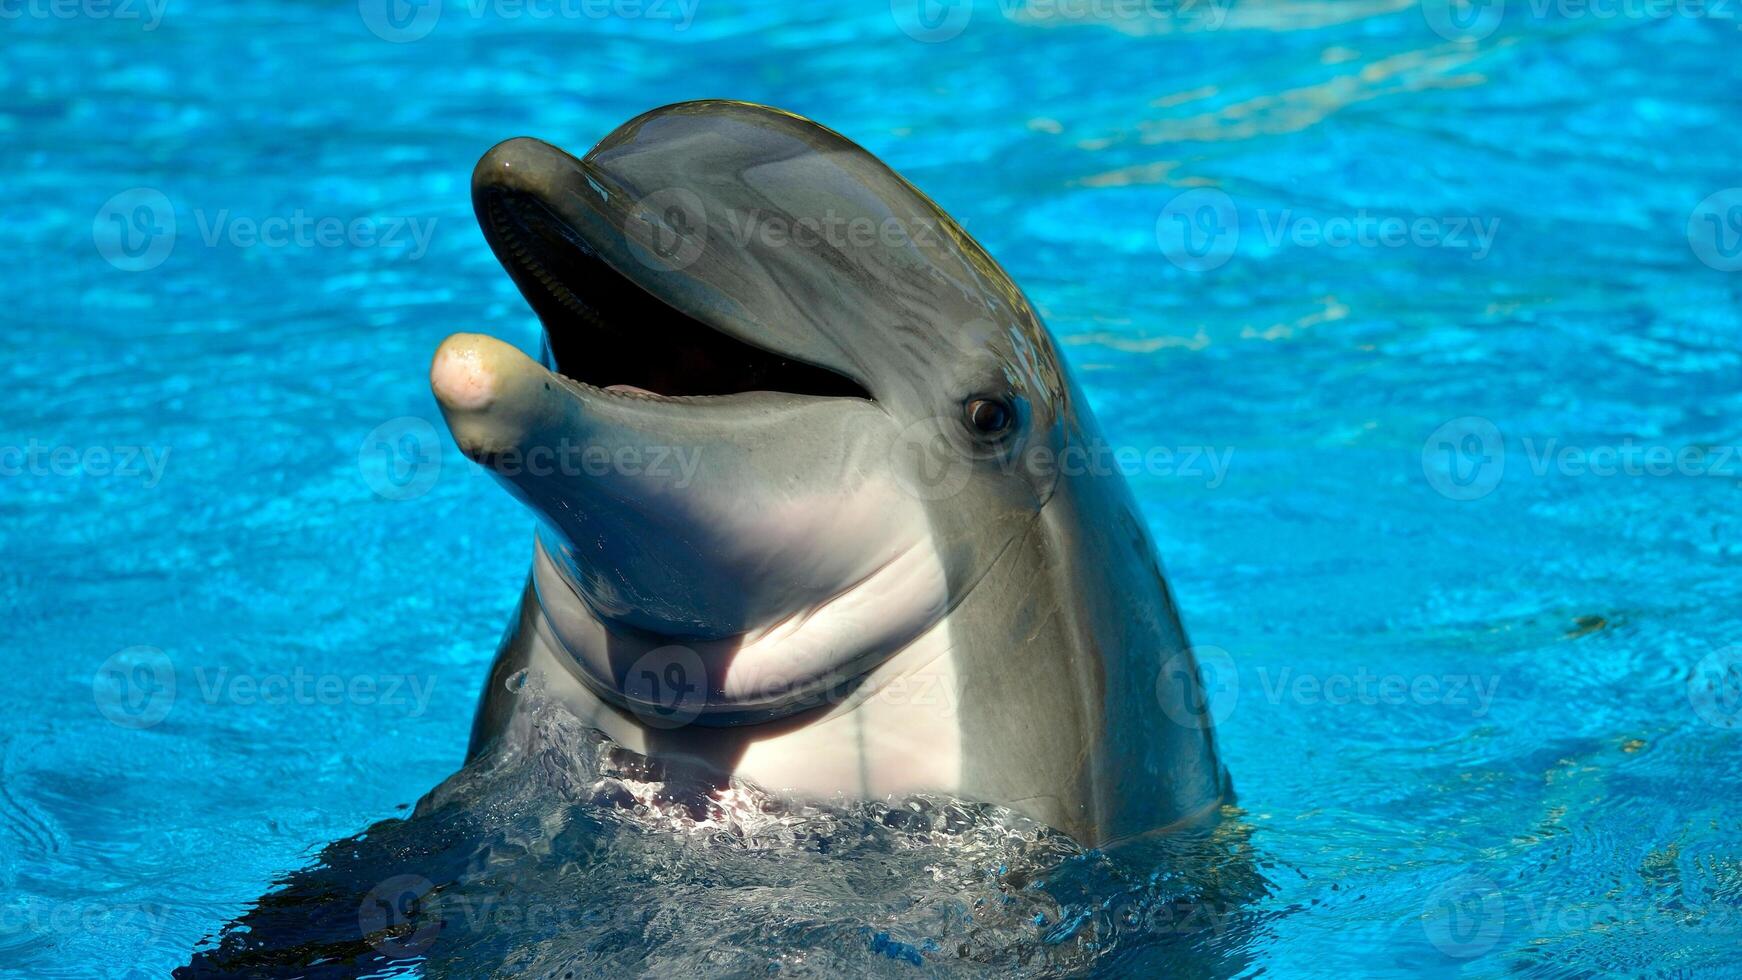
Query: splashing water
x=571 y=857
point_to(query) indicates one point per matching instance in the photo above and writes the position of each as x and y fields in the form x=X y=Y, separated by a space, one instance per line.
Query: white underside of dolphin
x=894 y=734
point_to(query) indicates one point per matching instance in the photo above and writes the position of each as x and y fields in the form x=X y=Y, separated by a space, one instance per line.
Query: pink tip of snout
x=460 y=377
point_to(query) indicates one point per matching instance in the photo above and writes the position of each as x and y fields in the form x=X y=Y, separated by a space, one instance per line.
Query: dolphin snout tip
x=520 y=165
x=463 y=374
x=495 y=398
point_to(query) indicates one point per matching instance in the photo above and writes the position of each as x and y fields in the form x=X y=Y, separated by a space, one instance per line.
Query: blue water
x=1472 y=638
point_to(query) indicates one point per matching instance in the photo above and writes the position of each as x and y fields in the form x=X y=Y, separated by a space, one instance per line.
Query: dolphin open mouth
x=710 y=436
x=602 y=329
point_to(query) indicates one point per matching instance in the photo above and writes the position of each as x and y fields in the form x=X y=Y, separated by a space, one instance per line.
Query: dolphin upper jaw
x=582 y=254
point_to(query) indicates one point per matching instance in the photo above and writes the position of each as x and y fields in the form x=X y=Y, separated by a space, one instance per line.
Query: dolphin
x=819 y=506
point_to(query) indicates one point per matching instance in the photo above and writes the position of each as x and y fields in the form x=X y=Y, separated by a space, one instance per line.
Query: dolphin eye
x=990 y=416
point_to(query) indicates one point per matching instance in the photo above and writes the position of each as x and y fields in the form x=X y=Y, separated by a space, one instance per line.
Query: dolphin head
x=784 y=412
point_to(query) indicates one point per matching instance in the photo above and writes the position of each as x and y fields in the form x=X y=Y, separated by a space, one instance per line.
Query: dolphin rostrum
x=820 y=507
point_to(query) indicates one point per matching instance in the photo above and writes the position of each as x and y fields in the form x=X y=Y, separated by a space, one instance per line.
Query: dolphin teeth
x=521 y=251
x=632 y=392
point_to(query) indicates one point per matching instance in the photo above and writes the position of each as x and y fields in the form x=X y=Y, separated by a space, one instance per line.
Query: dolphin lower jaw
x=814 y=659
x=696 y=519
x=895 y=732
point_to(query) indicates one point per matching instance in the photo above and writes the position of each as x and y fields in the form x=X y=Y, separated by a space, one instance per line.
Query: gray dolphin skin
x=818 y=503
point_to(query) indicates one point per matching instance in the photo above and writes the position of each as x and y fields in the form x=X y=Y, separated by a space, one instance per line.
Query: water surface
x=1473 y=651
